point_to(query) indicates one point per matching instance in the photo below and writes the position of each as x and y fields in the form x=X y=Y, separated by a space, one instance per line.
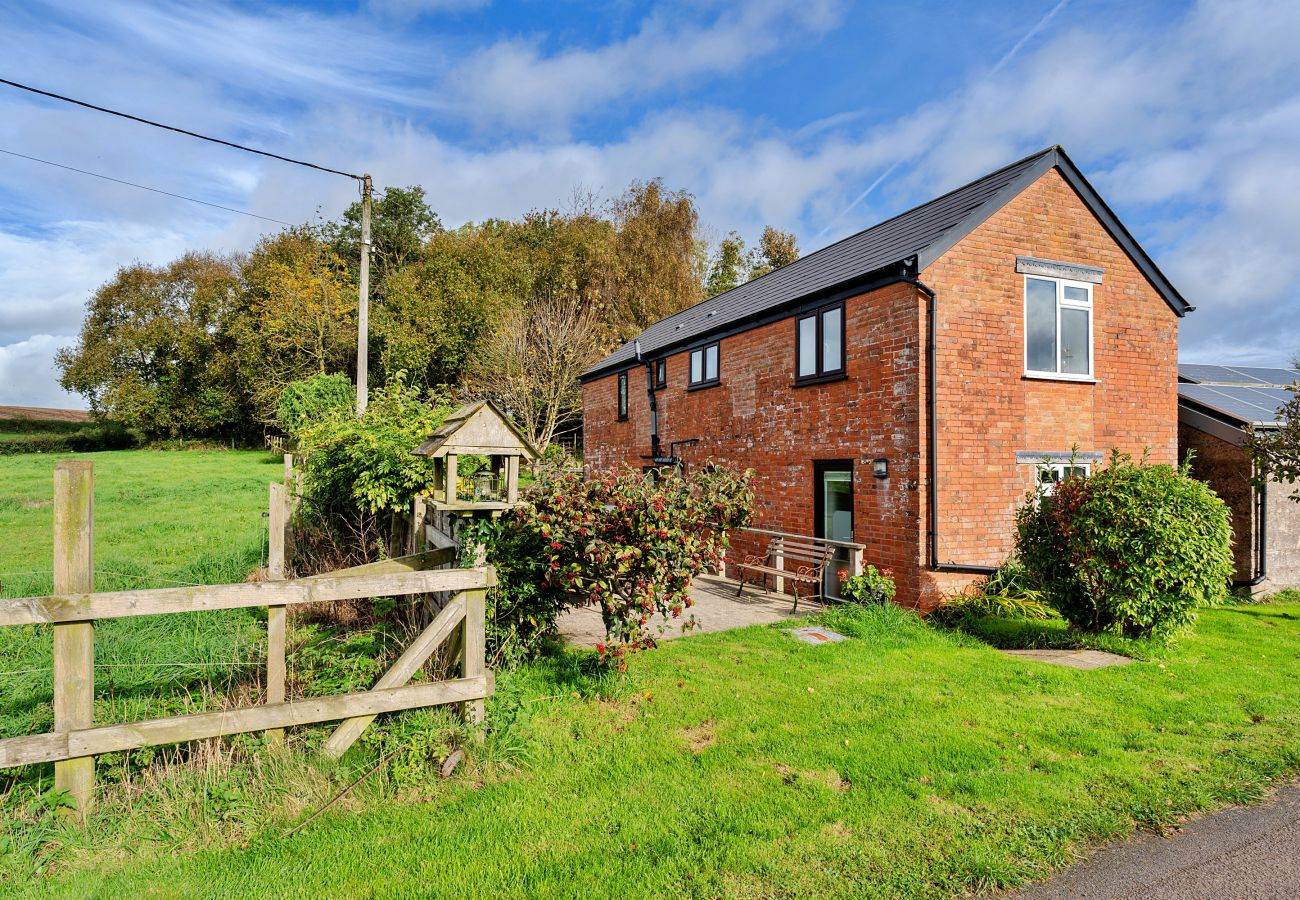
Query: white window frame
x=1088 y=305
x=1060 y=473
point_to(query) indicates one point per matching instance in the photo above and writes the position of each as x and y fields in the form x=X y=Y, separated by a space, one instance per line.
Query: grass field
x=907 y=761
x=160 y=519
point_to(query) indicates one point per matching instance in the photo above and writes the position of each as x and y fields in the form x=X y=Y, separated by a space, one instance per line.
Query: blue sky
x=817 y=116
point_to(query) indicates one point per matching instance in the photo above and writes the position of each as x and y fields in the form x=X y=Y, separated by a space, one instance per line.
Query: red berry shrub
x=627 y=542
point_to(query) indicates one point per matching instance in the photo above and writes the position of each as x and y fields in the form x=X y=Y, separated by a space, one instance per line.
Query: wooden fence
x=73 y=609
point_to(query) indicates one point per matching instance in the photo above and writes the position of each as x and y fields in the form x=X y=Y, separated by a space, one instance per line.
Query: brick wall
x=987 y=409
x=755 y=419
x=1226 y=467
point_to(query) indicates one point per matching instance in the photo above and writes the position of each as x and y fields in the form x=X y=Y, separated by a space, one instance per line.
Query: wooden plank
x=74 y=644
x=401 y=671
x=82 y=607
x=41 y=748
x=277 y=618
x=417 y=562
x=451 y=478
x=475 y=649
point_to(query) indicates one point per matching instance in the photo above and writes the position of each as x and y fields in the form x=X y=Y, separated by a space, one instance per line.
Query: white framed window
x=704 y=366
x=1052 y=474
x=1058 y=328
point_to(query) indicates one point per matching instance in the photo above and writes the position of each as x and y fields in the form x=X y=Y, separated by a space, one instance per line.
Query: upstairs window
x=622 y=396
x=704 y=366
x=1058 y=327
x=661 y=373
x=819 y=344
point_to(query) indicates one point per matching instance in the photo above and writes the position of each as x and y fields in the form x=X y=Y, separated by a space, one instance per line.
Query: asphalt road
x=1240 y=853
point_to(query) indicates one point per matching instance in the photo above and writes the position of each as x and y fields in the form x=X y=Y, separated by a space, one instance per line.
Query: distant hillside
x=41 y=414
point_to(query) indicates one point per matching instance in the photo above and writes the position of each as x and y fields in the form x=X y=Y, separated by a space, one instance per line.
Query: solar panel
x=1246 y=375
x=1246 y=404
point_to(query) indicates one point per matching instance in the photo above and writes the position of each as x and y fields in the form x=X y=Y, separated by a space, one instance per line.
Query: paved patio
x=717 y=608
x=1075 y=659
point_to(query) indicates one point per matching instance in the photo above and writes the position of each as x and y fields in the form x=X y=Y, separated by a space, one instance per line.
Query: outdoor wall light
x=880 y=467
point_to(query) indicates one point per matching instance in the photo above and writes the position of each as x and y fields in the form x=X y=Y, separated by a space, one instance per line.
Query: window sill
x=623 y=419
x=1052 y=376
x=704 y=385
x=818 y=379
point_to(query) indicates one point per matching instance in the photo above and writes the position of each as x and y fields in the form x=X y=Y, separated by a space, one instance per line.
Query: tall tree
x=653 y=272
x=401 y=222
x=155 y=351
x=297 y=316
x=530 y=366
x=727 y=266
x=775 y=249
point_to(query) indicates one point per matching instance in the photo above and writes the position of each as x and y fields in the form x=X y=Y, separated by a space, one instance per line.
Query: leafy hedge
x=1134 y=548
x=85 y=438
x=313 y=400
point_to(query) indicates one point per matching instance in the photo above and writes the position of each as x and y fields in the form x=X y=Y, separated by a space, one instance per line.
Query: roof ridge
x=858 y=233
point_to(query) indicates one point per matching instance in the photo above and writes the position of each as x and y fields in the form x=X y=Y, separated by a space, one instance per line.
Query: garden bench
x=810 y=561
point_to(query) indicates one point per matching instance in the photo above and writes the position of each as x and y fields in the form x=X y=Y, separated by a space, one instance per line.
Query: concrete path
x=716 y=609
x=1075 y=659
x=1241 y=853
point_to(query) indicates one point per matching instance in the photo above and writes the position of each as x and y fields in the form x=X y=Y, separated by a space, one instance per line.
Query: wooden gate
x=74 y=608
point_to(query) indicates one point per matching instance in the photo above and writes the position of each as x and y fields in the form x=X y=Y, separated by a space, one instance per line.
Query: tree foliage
x=1134 y=548
x=401 y=223
x=775 y=249
x=156 y=351
x=313 y=400
x=1276 y=451
x=727 y=268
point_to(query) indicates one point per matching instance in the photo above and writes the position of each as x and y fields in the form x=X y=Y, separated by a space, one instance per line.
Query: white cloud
x=28 y=376
x=516 y=83
x=1189 y=131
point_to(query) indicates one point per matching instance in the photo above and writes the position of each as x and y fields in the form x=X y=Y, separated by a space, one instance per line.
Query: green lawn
x=161 y=518
x=907 y=761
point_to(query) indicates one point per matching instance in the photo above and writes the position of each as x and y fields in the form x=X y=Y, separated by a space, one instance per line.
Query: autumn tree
x=727 y=267
x=530 y=366
x=155 y=351
x=297 y=316
x=653 y=272
x=775 y=249
x=401 y=223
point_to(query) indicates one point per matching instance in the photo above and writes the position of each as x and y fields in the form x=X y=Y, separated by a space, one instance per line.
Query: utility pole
x=363 y=299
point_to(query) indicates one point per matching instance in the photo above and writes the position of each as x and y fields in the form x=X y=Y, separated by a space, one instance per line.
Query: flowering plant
x=872 y=586
x=630 y=543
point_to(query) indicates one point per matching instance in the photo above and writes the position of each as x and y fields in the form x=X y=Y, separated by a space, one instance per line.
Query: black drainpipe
x=931 y=443
x=654 y=409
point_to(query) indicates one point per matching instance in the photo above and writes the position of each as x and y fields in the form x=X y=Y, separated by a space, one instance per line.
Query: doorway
x=833 y=515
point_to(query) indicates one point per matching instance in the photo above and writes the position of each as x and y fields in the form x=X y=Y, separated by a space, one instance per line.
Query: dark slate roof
x=915 y=238
x=1248 y=395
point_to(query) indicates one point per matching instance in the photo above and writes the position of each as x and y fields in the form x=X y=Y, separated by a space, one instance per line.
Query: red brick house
x=905 y=385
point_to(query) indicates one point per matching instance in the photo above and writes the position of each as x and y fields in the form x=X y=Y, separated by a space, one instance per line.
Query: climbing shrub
x=313 y=400
x=1134 y=548
x=625 y=542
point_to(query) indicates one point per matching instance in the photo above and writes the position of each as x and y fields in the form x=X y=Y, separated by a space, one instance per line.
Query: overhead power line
x=193 y=134
x=145 y=187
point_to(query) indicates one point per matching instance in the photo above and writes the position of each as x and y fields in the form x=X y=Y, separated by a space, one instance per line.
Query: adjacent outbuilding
x=1217 y=406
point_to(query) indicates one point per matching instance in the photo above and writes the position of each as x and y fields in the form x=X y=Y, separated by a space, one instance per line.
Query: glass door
x=833 y=503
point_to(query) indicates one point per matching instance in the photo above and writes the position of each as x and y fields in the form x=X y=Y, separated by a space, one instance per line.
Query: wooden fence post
x=474 y=647
x=74 y=642
x=418 y=512
x=276 y=616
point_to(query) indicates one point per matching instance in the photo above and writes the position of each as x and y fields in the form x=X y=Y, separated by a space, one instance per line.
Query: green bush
x=364 y=465
x=872 y=586
x=84 y=439
x=1134 y=548
x=311 y=400
x=1009 y=593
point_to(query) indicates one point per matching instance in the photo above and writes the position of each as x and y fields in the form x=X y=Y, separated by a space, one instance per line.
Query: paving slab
x=1075 y=659
x=717 y=608
x=1240 y=853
